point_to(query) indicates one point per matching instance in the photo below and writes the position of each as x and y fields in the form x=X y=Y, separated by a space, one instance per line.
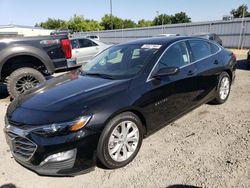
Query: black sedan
x=124 y=94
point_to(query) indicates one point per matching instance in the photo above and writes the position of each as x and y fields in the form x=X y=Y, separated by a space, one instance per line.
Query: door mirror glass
x=112 y=55
x=168 y=71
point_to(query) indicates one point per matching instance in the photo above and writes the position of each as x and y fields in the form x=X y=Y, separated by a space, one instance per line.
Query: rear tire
x=22 y=80
x=223 y=88
x=116 y=149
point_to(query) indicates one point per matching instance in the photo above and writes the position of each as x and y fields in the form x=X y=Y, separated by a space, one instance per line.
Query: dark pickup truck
x=26 y=61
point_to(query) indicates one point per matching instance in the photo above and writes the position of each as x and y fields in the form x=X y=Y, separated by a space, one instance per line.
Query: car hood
x=65 y=96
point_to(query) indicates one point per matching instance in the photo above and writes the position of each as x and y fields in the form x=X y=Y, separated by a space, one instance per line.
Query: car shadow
x=182 y=186
x=10 y=185
x=243 y=64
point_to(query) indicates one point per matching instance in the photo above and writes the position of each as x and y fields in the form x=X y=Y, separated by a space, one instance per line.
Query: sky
x=30 y=12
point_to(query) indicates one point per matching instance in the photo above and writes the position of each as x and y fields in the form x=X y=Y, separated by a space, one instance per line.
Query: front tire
x=223 y=88
x=120 y=140
x=22 y=80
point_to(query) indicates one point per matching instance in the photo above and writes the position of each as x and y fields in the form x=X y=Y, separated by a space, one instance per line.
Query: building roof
x=21 y=26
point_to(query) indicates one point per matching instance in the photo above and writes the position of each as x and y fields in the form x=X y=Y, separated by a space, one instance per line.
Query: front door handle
x=191 y=72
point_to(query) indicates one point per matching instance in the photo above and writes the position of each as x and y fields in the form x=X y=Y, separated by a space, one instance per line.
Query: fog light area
x=62 y=156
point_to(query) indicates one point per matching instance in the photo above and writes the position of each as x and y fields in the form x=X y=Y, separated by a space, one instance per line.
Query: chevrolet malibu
x=102 y=113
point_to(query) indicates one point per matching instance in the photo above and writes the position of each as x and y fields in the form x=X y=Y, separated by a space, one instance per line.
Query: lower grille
x=22 y=148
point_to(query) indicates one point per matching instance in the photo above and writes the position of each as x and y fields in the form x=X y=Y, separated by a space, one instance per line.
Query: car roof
x=161 y=40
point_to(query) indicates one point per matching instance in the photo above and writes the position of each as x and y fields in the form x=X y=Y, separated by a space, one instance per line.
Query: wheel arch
x=135 y=111
x=17 y=51
x=229 y=72
x=15 y=61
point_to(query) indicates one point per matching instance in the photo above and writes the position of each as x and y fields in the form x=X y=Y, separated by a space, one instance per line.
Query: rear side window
x=84 y=43
x=175 y=56
x=200 y=49
x=214 y=48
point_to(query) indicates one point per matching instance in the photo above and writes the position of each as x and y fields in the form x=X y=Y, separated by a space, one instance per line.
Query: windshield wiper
x=99 y=75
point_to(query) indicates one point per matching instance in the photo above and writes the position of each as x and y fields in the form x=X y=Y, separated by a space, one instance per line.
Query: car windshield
x=122 y=61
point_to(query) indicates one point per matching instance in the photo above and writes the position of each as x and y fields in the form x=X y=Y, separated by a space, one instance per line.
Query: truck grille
x=22 y=148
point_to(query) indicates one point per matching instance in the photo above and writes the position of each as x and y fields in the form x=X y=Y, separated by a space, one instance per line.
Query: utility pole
x=162 y=21
x=240 y=45
x=111 y=14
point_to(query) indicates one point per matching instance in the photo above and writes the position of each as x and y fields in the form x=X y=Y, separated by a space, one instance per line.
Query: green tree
x=78 y=23
x=53 y=24
x=180 y=17
x=127 y=23
x=144 y=23
x=162 y=19
x=109 y=22
x=238 y=13
x=93 y=25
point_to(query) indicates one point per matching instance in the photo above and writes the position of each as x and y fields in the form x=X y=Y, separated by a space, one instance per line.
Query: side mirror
x=112 y=55
x=168 y=71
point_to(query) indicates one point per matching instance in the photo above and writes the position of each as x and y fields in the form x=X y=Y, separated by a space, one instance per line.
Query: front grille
x=22 y=148
x=20 y=125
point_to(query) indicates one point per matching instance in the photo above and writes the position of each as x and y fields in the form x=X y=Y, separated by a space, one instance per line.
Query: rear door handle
x=216 y=62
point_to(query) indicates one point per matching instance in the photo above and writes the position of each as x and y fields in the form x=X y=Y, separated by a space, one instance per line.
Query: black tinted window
x=200 y=49
x=122 y=61
x=74 y=44
x=175 y=56
x=214 y=48
x=84 y=43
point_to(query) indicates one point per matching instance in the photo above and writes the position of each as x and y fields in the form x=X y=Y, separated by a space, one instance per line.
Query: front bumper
x=81 y=161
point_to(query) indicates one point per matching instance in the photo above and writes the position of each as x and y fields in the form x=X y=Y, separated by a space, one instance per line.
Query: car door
x=205 y=55
x=170 y=96
x=86 y=51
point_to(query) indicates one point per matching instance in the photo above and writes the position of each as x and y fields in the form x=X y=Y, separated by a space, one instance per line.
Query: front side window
x=176 y=56
x=122 y=61
x=74 y=44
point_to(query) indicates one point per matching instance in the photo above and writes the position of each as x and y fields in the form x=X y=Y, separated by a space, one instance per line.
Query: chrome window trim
x=149 y=78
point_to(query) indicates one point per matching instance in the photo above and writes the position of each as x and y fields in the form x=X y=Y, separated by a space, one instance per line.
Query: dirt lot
x=209 y=147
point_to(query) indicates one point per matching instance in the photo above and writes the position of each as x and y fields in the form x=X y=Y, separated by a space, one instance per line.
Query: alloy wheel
x=224 y=88
x=123 y=141
x=25 y=83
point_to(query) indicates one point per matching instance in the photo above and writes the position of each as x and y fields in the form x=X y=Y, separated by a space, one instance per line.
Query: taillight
x=66 y=46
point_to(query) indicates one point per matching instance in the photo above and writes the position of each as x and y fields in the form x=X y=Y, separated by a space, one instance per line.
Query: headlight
x=62 y=128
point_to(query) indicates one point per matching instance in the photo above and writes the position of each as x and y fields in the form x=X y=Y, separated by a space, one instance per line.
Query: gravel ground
x=209 y=147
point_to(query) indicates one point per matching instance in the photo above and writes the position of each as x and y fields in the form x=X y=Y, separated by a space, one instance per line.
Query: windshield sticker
x=185 y=58
x=151 y=46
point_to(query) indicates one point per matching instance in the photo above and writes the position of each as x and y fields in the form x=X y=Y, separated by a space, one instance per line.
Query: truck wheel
x=22 y=80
